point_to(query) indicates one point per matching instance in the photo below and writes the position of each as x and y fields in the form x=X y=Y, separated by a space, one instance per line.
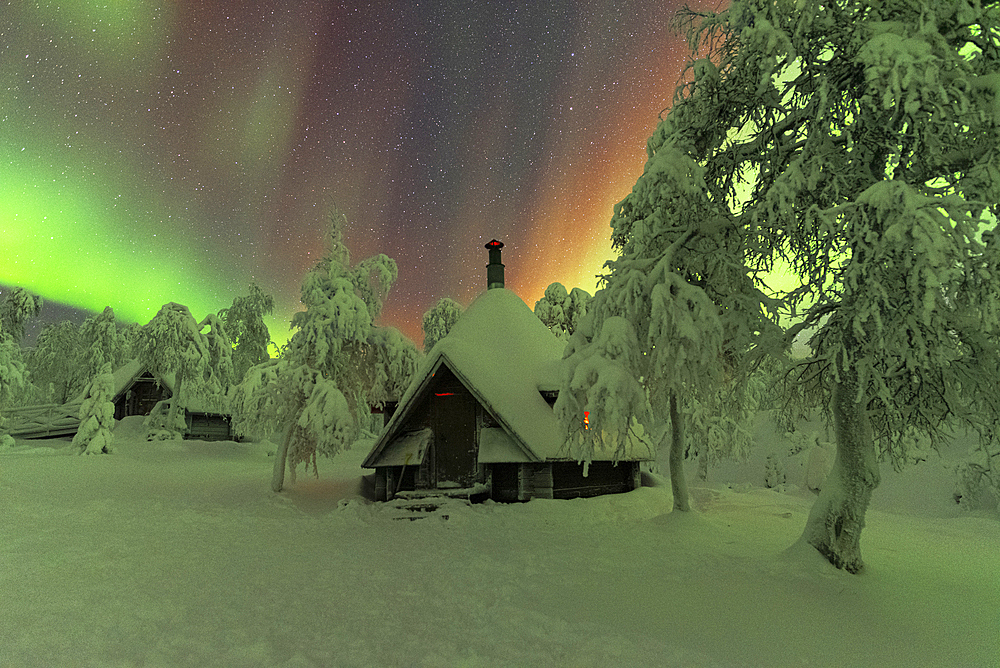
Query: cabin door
x=454 y=427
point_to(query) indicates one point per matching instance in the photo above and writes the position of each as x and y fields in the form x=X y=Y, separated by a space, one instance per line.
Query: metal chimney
x=494 y=270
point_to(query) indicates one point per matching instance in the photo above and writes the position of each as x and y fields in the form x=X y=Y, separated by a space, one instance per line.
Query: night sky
x=155 y=151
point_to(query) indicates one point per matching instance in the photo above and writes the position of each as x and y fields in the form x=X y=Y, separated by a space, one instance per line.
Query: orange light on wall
x=586 y=419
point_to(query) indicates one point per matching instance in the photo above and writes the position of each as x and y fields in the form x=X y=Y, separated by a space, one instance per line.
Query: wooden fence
x=43 y=421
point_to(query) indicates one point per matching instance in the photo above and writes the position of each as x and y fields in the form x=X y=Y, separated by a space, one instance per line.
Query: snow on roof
x=504 y=355
x=126 y=375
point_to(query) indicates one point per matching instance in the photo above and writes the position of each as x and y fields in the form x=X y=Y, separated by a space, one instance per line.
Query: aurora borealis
x=173 y=150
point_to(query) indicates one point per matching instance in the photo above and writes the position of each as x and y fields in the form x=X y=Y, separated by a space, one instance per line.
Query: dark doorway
x=454 y=425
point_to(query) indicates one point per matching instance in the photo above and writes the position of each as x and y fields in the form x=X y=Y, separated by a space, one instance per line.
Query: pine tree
x=859 y=142
x=97 y=415
x=389 y=366
x=102 y=341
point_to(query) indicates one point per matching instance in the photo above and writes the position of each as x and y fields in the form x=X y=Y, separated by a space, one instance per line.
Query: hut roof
x=126 y=375
x=505 y=356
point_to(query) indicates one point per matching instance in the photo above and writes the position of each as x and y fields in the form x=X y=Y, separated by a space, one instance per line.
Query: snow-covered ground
x=177 y=554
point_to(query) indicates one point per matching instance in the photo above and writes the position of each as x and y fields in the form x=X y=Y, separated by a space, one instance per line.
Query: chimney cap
x=494 y=245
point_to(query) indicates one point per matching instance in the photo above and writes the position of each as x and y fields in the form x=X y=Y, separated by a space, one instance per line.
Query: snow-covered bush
x=97 y=415
x=163 y=424
x=978 y=478
x=774 y=472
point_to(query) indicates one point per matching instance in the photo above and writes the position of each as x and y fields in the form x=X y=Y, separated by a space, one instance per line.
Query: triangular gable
x=503 y=354
x=387 y=444
x=126 y=376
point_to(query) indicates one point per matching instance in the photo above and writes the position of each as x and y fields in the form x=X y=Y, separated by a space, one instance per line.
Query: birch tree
x=17 y=308
x=682 y=282
x=562 y=311
x=55 y=362
x=859 y=143
x=172 y=344
x=319 y=387
x=438 y=321
x=244 y=324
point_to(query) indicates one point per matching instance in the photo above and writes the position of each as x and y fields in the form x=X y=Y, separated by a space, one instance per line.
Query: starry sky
x=178 y=150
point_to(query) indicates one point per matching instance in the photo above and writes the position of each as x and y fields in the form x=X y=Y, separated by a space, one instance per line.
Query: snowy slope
x=177 y=554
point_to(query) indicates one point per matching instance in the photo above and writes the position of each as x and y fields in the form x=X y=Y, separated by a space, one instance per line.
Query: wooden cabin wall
x=209 y=427
x=568 y=481
x=140 y=397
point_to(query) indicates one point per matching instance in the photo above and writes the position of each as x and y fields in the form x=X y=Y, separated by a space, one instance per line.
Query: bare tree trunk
x=838 y=515
x=678 y=483
x=278 y=474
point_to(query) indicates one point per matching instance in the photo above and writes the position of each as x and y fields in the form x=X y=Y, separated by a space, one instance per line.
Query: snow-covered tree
x=217 y=375
x=102 y=341
x=244 y=323
x=66 y=356
x=562 y=311
x=601 y=387
x=172 y=344
x=97 y=415
x=13 y=372
x=131 y=335
x=55 y=363
x=682 y=283
x=859 y=142
x=17 y=308
x=391 y=361
x=316 y=390
x=439 y=319
x=978 y=484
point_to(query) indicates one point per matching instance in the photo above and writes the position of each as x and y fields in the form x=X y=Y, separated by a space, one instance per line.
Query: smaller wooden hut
x=137 y=391
x=478 y=421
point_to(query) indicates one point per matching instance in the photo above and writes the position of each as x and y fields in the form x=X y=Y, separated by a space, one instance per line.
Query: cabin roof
x=504 y=355
x=126 y=375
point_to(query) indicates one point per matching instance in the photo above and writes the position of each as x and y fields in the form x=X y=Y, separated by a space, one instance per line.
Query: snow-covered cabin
x=478 y=419
x=137 y=391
